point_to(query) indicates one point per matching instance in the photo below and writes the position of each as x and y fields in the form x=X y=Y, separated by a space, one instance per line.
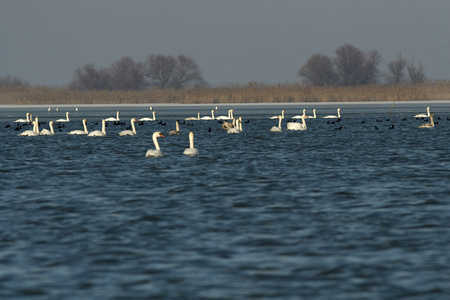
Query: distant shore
x=248 y=94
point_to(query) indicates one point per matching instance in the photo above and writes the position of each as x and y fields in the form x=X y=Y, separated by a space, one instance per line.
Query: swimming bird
x=177 y=129
x=98 y=132
x=191 y=151
x=208 y=117
x=46 y=131
x=157 y=151
x=297 y=125
x=300 y=116
x=428 y=125
x=112 y=119
x=194 y=118
x=237 y=126
x=277 y=128
x=27 y=120
x=334 y=117
x=131 y=132
x=276 y=117
x=313 y=116
x=64 y=120
x=34 y=132
x=80 y=132
x=149 y=119
x=228 y=117
x=423 y=115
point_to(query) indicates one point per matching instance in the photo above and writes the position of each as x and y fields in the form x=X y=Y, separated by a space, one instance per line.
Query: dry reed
x=250 y=93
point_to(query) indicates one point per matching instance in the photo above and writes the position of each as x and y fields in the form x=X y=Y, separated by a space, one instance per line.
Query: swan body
x=157 y=151
x=334 y=117
x=177 y=129
x=80 y=132
x=64 y=120
x=313 y=116
x=276 y=117
x=423 y=115
x=27 y=120
x=112 y=119
x=191 y=151
x=149 y=119
x=34 y=132
x=98 y=132
x=428 y=125
x=194 y=118
x=277 y=128
x=297 y=125
x=131 y=132
x=46 y=131
x=300 y=116
x=237 y=127
x=208 y=117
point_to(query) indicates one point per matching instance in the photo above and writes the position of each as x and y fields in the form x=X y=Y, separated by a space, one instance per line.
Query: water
x=356 y=213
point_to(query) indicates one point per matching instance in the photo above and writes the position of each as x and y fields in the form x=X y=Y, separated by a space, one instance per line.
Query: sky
x=232 y=41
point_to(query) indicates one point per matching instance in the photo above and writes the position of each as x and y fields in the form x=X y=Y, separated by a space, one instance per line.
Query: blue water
x=356 y=213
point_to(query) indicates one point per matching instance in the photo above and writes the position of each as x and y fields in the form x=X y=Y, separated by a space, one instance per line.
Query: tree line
x=349 y=67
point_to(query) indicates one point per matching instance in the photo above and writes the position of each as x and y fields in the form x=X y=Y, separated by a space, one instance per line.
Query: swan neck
x=104 y=126
x=155 y=141
x=191 y=140
x=133 y=128
x=177 y=126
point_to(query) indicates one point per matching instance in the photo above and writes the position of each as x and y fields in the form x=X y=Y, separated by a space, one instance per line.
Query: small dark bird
x=363 y=122
x=392 y=126
x=376 y=127
x=339 y=128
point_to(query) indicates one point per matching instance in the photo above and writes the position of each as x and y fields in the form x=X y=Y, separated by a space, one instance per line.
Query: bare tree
x=396 y=69
x=126 y=74
x=160 y=69
x=318 y=70
x=355 y=67
x=416 y=72
x=9 y=80
x=186 y=72
x=89 y=78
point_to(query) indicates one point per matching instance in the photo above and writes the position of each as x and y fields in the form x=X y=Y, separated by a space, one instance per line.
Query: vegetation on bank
x=250 y=93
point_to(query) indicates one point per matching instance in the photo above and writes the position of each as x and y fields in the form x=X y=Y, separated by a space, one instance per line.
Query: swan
x=98 y=132
x=428 y=125
x=131 y=132
x=64 y=120
x=157 y=152
x=46 y=131
x=208 y=117
x=27 y=120
x=276 y=117
x=300 y=116
x=149 y=119
x=334 y=117
x=191 y=151
x=85 y=131
x=423 y=115
x=237 y=126
x=277 y=128
x=194 y=118
x=34 y=132
x=229 y=117
x=297 y=125
x=112 y=119
x=313 y=116
x=177 y=129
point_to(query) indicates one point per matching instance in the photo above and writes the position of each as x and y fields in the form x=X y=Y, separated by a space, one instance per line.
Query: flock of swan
x=229 y=123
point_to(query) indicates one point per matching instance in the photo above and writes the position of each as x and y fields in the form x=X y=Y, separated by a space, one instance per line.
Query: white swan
x=229 y=117
x=34 y=132
x=149 y=119
x=157 y=151
x=112 y=119
x=194 y=118
x=64 y=120
x=27 y=120
x=277 y=128
x=177 y=129
x=237 y=126
x=334 y=117
x=313 y=116
x=276 y=117
x=300 y=116
x=423 y=115
x=131 y=132
x=191 y=151
x=84 y=131
x=208 y=117
x=98 y=132
x=297 y=125
x=428 y=125
x=46 y=131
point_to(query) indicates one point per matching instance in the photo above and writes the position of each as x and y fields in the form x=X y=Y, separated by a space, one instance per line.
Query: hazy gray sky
x=44 y=41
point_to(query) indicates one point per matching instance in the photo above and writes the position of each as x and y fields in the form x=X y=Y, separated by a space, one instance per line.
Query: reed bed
x=249 y=93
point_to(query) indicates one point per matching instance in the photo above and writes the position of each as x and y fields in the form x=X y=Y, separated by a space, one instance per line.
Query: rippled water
x=356 y=213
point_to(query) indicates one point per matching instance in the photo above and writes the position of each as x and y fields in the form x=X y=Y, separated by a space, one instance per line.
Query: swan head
x=158 y=134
